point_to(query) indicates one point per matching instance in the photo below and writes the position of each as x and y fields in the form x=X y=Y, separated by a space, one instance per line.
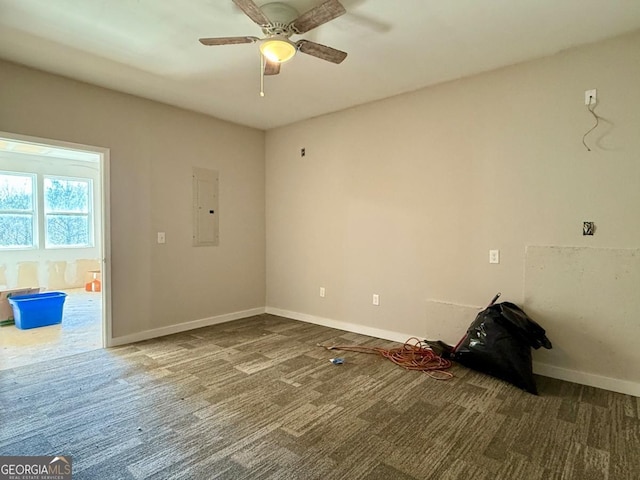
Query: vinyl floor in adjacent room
x=80 y=331
x=258 y=399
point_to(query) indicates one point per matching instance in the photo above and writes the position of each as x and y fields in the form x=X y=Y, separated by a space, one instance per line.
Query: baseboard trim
x=575 y=376
x=183 y=327
x=582 y=378
x=339 y=325
x=589 y=379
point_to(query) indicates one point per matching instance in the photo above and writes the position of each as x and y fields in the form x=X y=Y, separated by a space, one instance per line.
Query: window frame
x=38 y=212
x=35 y=237
x=89 y=215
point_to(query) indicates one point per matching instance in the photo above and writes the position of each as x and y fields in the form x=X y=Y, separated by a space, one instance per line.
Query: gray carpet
x=257 y=399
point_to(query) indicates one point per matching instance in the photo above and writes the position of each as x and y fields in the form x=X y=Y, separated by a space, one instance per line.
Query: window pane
x=67 y=230
x=16 y=192
x=66 y=195
x=16 y=230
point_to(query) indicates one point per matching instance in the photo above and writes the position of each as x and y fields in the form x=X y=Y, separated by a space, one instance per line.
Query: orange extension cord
x=413 y=355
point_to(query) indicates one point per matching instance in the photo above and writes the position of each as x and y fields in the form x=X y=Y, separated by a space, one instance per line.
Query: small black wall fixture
x=588 y=228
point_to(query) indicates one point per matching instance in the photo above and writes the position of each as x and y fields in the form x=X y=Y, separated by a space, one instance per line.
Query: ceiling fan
x=278 y=22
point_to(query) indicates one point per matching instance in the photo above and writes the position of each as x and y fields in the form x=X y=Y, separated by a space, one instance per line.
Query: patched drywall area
x=48 y=274
x=448 y=321
x=27 y=275
x=587 y=300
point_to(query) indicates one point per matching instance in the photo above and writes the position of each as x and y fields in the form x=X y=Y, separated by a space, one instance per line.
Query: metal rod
x=494 y=299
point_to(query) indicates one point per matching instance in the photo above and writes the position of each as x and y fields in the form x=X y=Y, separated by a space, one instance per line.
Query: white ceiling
x=150 y=48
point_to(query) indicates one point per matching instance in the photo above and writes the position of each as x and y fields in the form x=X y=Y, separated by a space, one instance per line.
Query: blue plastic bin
x=37 y=310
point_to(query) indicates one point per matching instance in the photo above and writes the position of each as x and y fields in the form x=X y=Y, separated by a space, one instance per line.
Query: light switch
x=161 y=238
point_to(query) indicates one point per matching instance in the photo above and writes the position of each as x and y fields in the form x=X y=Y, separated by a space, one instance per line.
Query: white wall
x=404 y=197
x=153 y=148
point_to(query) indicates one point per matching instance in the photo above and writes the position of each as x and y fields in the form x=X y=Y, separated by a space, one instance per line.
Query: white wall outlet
x=376 y=299
x=590 y=97
x=161 y=237
x=322 y=292
x=494 y=256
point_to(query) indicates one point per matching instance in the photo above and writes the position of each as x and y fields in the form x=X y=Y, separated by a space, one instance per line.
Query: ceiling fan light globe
x=278 y=50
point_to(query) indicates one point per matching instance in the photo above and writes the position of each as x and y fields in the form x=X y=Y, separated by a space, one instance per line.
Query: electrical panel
x=205 y=207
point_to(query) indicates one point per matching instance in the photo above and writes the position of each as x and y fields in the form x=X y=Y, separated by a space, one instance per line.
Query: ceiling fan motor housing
x=281 y=15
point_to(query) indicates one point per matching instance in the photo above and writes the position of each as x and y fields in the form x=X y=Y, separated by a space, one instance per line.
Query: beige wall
x=153 y=148
x=402 y=197
x=405 y=197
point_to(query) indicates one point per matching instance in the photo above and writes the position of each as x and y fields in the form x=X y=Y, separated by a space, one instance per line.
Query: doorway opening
x=54 y=237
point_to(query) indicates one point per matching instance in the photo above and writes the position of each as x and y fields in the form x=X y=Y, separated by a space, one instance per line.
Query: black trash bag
x=498 y=343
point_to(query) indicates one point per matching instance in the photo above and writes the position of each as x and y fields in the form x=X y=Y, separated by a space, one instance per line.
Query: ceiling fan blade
x=252 y=11
x=271 y=68
x=321 y=51
x=317 y=16
x=227 y=40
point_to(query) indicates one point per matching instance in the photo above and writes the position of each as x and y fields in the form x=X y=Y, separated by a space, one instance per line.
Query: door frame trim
x=105 y=227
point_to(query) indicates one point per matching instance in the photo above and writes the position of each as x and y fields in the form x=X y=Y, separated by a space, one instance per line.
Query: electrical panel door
x=205 y=207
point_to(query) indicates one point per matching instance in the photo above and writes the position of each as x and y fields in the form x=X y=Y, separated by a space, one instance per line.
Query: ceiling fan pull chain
x=262 y=67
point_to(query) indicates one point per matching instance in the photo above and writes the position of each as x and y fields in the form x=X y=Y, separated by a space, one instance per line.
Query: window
x=67 y=212
x=17 y=210
x=65 y=205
